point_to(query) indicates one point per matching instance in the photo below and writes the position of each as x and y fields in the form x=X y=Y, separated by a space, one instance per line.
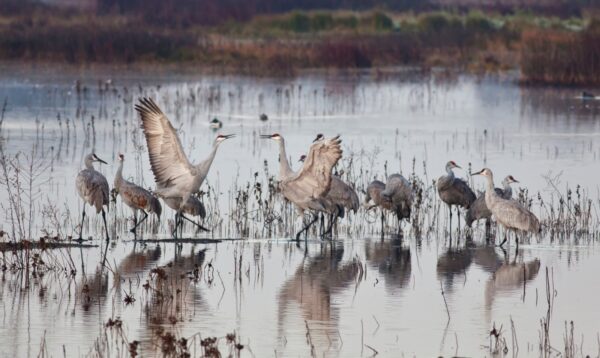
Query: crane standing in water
x=93 y=189
x=396 y=196
x=308 y=187
x=340 y=197
x=175 y=176
x=478 y=210
x=454 y=191
x=510 y=213
x=136 y=197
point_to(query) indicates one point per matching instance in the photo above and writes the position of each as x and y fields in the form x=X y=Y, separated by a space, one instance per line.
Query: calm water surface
x=346 y=298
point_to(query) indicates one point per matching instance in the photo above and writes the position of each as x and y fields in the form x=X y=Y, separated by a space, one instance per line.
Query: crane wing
x=169 y=163
x=315 y=176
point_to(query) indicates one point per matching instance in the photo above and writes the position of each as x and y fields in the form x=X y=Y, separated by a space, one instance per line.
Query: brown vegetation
x=559 y=57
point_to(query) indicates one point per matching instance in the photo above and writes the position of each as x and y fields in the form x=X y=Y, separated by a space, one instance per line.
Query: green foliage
x=382 y=22
x=321 y=22
x=299 y=22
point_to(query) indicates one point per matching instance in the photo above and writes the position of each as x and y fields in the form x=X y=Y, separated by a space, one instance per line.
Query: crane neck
x=490 y=184
x=204 y=166
x=284 y=166
x=507 y=189
x=119 y=175
x=449 y=171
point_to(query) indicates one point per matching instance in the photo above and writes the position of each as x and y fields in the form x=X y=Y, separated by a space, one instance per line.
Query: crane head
x=302 y=158
x=485 y=172
x=274 y=136
x=452 y=164
x=511 y=179
x=319 y=137
x=121 y=157
x=221 y=137
x=96 y=159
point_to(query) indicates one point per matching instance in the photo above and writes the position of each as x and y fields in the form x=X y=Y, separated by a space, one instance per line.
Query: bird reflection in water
x=392 y=260
x=312 y=289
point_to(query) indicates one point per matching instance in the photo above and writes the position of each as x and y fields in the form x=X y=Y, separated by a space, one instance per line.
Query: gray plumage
x=396 y=195
x=92 y=187
x=453 y=190
x=479 y=210
x=193 y=207
x=134 y=196
x=399 y=194
x=341 y=196
x=308 y=187
x=510 y=213
x=174 y=174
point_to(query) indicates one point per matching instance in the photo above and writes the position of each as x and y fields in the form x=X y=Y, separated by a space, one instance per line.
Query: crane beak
x=477 y=173
x=227 y=136
x=265 y=136
x=101 y=161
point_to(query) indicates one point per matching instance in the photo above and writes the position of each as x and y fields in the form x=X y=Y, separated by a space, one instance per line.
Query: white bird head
x=452 y=164
x=274 y=136
x=222 y=137
x=94 y=158
x=486 y=172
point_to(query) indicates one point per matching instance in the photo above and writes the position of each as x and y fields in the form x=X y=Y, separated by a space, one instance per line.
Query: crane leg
x=322 y=228
x=305 y=228
x=382 y=222
x=177 y=222
x=450 y=210
x=105 y=227
x=137 y=223
x=503 y=241
x=200 y=227
x=488 y=233
x=458 y=215
x=332 y=219
x=81 y=226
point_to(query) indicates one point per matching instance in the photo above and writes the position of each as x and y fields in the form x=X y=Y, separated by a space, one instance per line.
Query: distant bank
x=546 y=50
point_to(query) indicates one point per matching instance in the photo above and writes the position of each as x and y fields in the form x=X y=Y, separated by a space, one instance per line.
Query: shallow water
x=355 y=293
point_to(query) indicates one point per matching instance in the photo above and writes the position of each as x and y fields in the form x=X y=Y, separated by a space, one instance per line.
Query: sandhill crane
x=510 y=213
x=136 y=197
x=193 y=207
x=454 y=191
x=308 y=187
x=174 y=175
x=93 y=189
x=478 y=210
x=340 y=197
x=396 y=196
